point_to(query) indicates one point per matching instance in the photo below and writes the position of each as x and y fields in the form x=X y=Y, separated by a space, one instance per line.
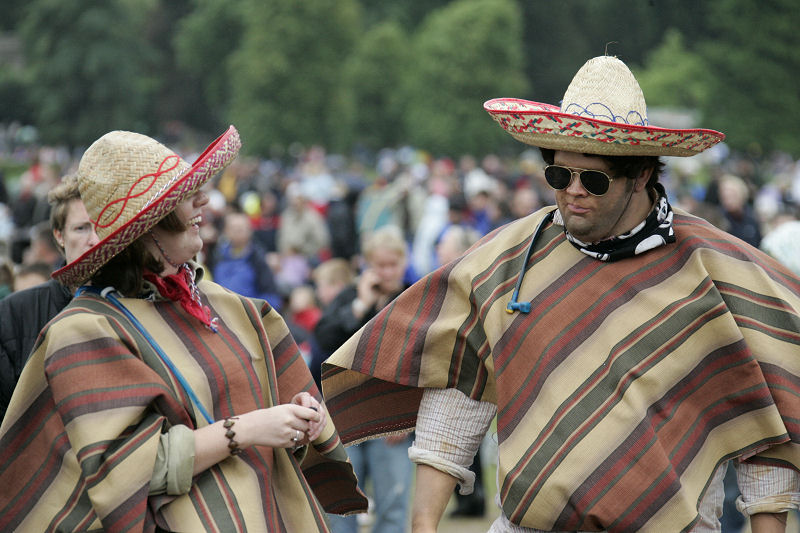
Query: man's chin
x=579 y=227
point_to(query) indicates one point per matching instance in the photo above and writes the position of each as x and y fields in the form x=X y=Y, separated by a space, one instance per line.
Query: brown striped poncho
x=79 y=442
x=621 y=391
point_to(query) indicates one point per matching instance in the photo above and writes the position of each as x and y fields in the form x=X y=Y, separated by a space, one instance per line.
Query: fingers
x=306 y=420
x=295 y=440
x=318 y=426
x=291 y=426
x=305 y=400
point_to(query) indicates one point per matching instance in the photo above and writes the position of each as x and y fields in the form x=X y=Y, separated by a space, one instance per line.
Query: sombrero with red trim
x=603 y=112
x=128 y=182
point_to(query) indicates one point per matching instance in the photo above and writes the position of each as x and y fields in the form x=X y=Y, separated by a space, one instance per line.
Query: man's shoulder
x=519 y=229
x=688 y=226
x=694 y=233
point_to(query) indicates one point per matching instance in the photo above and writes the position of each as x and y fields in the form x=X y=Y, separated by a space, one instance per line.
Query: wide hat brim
x=214 y=159
x=546 y=126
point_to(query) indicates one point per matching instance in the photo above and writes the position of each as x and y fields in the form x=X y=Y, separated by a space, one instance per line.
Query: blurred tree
x=288 y=70
x=12 y=14
x=675 y=77
x=295 y=71
x=204 y=41
x=177 y=97
x=753 y=64
x=14 y=101
x=464 y=54
x=90 y=68
x=562 y=36
x=408 y=13
x=372 y=77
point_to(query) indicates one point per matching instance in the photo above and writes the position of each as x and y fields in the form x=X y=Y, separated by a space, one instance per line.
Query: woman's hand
x=281 y=426
x=315 y=427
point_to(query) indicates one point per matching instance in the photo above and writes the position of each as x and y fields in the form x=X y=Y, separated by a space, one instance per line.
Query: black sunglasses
x=596 y=182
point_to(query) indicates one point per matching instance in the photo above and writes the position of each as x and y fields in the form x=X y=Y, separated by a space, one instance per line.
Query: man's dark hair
x=622 y=165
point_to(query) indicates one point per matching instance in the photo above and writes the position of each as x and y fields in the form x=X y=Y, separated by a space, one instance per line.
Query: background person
x=175 y=404
x=6 y=278
x=240 y=263
x=27 y=311
x=31 y=274
x=734 y=200
x=384 y=462
x=330 y=278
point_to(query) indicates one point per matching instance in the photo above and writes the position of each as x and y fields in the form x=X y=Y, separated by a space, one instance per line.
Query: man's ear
x=640 y=183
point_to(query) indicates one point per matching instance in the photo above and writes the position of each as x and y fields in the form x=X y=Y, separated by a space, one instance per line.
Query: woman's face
x=182 y=246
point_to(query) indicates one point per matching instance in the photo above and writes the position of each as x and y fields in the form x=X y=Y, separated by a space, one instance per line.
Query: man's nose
x=575 y=186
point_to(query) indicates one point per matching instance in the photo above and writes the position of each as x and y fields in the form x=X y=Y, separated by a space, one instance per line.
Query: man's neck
x=639 y=207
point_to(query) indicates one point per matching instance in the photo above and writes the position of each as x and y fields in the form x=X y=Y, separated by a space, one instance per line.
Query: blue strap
x=525 y=307
x=108 y=293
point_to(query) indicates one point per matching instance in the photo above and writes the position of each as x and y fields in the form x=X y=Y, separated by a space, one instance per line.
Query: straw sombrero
x=603 y=112
x=128 y=183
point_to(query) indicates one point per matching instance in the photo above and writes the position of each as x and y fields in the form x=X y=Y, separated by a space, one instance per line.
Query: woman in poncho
x=159 y=401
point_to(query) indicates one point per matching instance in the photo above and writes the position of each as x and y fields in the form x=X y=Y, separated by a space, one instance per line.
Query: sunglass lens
x=595 y=182
x=557 y=177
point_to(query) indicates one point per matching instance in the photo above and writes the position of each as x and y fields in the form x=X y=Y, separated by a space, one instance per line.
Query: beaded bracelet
x=233 y=446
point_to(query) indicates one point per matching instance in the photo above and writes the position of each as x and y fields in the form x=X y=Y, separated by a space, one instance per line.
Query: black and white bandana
x=654 y=231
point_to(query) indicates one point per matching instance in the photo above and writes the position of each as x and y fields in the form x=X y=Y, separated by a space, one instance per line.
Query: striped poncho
x=621 y=391
x=79 y=442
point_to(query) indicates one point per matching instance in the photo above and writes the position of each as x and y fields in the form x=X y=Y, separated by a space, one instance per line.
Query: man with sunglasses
x=629 y=350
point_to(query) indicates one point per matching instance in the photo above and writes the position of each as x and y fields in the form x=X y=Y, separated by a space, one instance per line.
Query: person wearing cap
x=628 y=349
x=157 y=400
x=25 y=312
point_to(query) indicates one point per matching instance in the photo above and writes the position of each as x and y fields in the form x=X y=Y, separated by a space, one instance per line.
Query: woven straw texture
x=603 y=112
x=129 y=182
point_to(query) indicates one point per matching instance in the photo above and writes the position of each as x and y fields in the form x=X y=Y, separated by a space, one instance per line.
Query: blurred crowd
x=293 y=233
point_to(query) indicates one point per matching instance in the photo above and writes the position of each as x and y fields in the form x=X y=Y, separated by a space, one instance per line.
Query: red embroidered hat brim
x=545 y=126
x=603 y=112
x=140 y=207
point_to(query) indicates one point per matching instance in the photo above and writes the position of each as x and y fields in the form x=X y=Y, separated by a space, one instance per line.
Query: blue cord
x=525 y=307
x=108 y=294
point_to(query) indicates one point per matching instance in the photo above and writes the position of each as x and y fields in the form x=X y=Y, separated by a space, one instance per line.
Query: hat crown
x=121 y=173
x=605 y=89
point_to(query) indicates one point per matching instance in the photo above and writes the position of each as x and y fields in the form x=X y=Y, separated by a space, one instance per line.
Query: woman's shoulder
x=223 y=299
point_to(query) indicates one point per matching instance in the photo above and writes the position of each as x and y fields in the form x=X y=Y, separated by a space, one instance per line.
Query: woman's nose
x=200 y=198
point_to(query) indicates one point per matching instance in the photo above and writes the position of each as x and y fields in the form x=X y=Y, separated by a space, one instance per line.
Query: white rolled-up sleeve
x=767 y=488
x=450 y=428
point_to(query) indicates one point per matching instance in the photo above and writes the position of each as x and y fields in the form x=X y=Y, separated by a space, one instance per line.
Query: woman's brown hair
x=125 y=271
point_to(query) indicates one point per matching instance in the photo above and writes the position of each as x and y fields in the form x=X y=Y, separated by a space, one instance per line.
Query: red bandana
x=180 y=288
